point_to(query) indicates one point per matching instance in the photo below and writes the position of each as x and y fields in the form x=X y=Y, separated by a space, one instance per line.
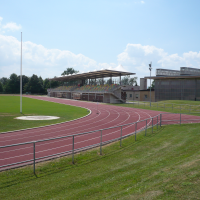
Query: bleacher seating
x=88 y=88
x=64 y=88
x=97 y=88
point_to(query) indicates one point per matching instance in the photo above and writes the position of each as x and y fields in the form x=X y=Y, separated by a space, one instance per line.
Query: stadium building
x=183 y=84
x=83 y=86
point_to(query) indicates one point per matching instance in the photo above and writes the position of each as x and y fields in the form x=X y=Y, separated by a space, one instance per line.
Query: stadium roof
x=92 y=75
x=172 y=77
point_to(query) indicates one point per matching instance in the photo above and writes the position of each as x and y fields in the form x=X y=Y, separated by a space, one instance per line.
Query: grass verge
x=10 y=109
x=162 y=165
x=173 y=106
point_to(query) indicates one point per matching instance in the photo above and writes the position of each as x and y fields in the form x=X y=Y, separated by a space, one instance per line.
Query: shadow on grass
x=25 y=174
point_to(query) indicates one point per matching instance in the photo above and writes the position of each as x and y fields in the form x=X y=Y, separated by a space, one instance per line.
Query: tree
x=69 y=71
x=13 y=84
x=152 y=85
x=126 y=80
x=25 y=80
x=1 y=87
x=34 y=85
x=100 y=81
x=4 y=80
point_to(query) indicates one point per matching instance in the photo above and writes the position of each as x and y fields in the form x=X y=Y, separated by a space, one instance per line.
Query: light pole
x=21 y=78
x=150 y=68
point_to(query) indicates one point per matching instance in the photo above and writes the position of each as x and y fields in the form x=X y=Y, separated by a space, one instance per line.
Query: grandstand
x=90 y=91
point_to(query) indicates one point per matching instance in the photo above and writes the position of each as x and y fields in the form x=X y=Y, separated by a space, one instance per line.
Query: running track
x=108 y=116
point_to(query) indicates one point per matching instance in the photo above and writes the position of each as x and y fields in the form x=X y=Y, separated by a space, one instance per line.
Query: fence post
x=121 y=137
x=172 y=106
x=135 y=130
x=146 y=128
x=34 y=157
x=160 y=120
x=164 y=105
x=157 y=104
x=180 y=108
x=190 y=109
x=152 y=124
x=157 y=122
x=101 y=144
x=138 y=103
x=180 y=118
x=73 y=149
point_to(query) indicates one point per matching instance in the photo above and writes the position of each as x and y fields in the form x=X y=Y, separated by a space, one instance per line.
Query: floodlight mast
x=150 y=68
x=21 y=78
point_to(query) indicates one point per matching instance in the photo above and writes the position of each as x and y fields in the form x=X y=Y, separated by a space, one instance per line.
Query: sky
x=91 y=35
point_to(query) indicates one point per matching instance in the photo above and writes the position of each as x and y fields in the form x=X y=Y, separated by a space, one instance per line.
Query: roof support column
x=120 y=79
x=195 y=95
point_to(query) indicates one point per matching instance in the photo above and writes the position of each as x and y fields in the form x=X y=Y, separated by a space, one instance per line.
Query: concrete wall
x=118 y=93
x=145 y=95
x=106 y=98
x=133 y=95
x=143 y=84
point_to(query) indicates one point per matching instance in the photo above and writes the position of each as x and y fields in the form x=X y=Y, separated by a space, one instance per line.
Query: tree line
x=33 y=84
x=36 y=85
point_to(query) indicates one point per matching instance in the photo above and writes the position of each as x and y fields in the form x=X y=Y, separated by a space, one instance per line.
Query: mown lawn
x=174 y=106
x=162 y=165
x=10 y=109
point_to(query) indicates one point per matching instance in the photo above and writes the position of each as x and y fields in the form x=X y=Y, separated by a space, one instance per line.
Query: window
x=136 y=95
x=130 y=95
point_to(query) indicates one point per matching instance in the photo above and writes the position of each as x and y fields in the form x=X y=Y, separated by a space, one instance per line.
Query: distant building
x=139 y=93
x=183 y=84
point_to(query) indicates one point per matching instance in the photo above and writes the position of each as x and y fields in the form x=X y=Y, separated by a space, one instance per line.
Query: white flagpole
x=21 y=78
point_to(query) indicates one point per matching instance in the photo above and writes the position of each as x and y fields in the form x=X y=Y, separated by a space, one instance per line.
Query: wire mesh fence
x=32 y=152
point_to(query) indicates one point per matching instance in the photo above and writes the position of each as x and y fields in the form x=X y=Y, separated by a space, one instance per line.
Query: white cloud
x=52 y=62
x=136 y=57
x=12 y=26
x=142 y=2
x=39 y=60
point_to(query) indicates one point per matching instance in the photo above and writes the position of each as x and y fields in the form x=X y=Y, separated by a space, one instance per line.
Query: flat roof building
x=183 y=84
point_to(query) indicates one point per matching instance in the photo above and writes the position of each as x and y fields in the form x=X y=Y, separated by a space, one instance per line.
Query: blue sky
x=91 y=35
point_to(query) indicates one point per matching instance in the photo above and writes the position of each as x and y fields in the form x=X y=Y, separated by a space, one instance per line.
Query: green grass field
x=10 y=109
x=162 y=165
x=174 y=106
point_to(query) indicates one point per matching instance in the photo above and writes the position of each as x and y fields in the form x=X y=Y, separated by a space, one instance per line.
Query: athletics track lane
x=108 y=116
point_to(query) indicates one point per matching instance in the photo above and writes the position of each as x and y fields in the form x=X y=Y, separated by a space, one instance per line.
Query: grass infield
x=162 y=165
x=10 y=109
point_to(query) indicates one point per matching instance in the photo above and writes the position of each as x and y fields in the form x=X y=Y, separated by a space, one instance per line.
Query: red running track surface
x=108 y=116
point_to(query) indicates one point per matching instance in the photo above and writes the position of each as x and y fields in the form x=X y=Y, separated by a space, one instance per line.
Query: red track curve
x=108 y=116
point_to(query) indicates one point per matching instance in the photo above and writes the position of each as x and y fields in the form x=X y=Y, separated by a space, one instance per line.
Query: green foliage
x=69 y=71
x=1 y=87
x=152 y=85
x=127 y=80
x=35 y=85
x=13 y=85
x=162 y=165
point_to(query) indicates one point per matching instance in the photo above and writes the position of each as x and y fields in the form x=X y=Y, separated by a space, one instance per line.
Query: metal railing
x=118 y=133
